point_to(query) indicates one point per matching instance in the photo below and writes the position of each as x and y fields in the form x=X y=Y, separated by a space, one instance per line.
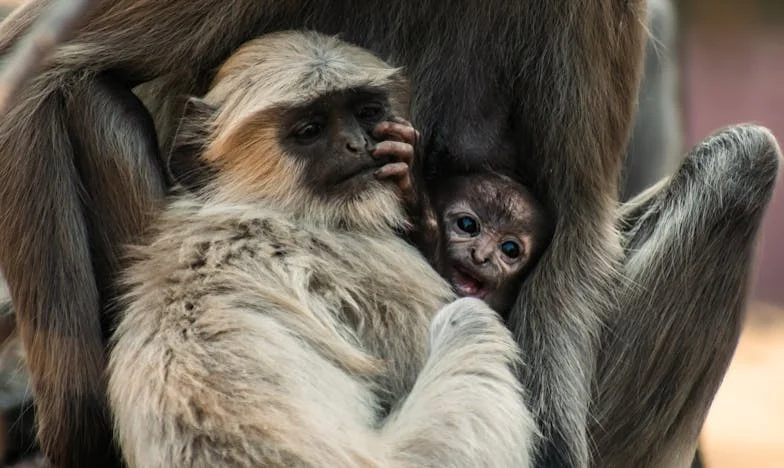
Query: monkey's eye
x=511 y=249
x=468 y=224
x=370 y=111
x=309 y=131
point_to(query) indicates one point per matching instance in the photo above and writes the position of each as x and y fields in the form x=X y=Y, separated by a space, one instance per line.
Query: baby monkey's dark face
x=494 y=231
x=336 y=140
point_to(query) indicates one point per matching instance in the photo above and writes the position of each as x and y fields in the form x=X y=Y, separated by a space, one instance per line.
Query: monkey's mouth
x=363 y=169
x=467 y=285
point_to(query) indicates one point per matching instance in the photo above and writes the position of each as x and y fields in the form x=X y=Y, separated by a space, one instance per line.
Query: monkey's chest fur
x=363 y=302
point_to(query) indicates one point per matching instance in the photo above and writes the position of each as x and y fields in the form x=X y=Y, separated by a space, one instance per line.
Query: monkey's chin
x=374 y=206
x=466 y=285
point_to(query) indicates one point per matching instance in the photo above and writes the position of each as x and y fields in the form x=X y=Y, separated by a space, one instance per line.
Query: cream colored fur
x=257 y=332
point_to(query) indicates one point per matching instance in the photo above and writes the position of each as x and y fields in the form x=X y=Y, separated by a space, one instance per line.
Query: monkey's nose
x=355 y=145
x=478 y=257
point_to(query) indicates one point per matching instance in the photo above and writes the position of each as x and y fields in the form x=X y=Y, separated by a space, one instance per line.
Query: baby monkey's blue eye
x=510 y=249
x=468 y=224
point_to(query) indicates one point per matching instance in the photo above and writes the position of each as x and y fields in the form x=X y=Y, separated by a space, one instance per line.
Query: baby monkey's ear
x=184 y=165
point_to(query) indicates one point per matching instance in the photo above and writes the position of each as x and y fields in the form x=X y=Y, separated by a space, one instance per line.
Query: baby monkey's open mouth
x=467 y=284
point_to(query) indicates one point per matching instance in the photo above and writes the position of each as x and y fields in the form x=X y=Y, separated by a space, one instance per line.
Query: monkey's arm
x=689 y=247
x=119 y=167
x=467 y=403
x=238 y=387
x=400 y=142
x=60 y=249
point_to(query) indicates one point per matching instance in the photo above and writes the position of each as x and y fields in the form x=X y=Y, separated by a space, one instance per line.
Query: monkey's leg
x=690 y=242
x=120 y=169
x=467 y=404
x=83 y=209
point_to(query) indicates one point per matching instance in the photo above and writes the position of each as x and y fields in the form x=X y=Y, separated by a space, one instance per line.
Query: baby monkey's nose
x=479 y=257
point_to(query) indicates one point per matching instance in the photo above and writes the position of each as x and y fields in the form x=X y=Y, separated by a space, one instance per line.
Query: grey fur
x=541 y=91
x=689 y=242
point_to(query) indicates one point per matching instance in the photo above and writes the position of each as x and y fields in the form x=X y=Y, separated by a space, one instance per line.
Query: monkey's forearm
x=468 y=381
x=466 y=404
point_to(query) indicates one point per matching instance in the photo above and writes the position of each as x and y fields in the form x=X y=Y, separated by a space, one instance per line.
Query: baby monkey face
x=494 y=231
x=485 y=255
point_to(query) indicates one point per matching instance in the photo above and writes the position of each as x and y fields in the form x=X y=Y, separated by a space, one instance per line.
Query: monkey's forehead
x=299 y=85
x=502 y=208
x=290 y=63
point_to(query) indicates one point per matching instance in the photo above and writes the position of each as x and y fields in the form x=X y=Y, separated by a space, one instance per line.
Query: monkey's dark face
x=492 y=237
x=291 y=125
x=332 y=139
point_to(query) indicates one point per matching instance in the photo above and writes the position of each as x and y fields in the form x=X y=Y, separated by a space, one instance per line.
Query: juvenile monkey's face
x=492 y=236
x=485 y=258
x=331 y=138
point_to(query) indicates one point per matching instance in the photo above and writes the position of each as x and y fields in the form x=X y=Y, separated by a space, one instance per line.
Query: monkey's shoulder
x=202 y=243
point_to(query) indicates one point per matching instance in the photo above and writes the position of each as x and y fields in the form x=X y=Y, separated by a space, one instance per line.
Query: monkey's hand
x=456 y=323
x=470 y=337
x=398 y=138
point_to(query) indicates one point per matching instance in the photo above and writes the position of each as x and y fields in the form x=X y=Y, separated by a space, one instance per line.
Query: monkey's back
x=223 y=301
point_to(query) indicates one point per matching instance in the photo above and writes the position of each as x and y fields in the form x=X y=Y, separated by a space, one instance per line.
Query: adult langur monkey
x=275 y=311
x=526 y=105
x=540 y=91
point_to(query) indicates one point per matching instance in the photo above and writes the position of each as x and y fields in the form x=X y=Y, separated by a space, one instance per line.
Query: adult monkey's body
x=544 y=88
x=509 y=112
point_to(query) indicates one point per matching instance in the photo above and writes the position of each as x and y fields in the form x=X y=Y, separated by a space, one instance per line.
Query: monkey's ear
x=184 y=165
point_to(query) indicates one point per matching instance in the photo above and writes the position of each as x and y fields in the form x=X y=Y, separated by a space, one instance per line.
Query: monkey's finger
x=407 y=124
x=394 y=170
x=402 y=121
x=400 y=132
x=402 y=152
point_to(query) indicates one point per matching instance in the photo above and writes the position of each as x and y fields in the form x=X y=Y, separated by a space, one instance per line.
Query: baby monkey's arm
x=397 y=140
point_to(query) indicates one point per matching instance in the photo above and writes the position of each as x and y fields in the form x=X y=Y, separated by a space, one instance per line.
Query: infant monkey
x=483 y=233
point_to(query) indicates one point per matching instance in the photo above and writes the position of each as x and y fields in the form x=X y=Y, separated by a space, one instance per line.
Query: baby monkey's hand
x=397 y=141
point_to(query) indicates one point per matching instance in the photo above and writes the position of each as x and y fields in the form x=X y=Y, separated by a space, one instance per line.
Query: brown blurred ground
x=745 y=428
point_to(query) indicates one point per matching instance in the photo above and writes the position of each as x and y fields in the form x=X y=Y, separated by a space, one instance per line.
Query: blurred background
x=712 y=63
